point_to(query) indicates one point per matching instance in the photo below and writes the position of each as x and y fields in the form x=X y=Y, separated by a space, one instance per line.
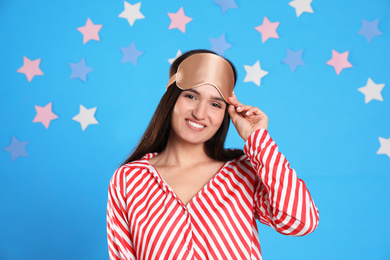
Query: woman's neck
x=178 y=153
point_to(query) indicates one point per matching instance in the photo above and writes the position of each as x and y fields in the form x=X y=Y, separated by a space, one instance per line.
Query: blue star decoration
x=370 y=29
x=226 y=4
x=130 y=54
x=293 y=59
x=80 y=70
x=219 y=45
x=16 y=148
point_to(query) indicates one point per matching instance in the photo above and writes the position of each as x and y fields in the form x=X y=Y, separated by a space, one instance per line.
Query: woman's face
x=197 y=114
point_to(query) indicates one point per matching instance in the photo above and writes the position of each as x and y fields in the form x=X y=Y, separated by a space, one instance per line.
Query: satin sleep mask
x=205 y=68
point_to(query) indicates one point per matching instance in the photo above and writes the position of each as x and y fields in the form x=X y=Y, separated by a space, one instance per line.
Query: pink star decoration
x=90 y=31
x=179 y=20
x=339 y=61
x=30 y=68
x=44 y=115
x=268 y=29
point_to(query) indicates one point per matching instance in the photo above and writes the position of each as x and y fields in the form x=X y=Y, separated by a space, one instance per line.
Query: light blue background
x=53 y=202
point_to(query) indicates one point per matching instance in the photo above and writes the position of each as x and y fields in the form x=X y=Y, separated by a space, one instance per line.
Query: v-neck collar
x=165 y=186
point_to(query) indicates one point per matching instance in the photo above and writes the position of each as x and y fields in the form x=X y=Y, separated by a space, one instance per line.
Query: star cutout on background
x=80 y=70
x=293 y=59
x=254 y=73
x=339 y=61
x=179 y=20
x=90 y=31
x=268 y=29
x=86 y=117
x=130 y=54
x=372 y=91
x=178 y=54
x=226 y=4
x=30 y=68
x=16 y=148
x=385 y=146
x=219 y=45
x=44 y=115
x=370 y=29
x=132 y=12
x=301 y=6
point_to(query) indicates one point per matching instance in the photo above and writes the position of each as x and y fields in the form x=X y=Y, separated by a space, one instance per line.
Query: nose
x=199 y=111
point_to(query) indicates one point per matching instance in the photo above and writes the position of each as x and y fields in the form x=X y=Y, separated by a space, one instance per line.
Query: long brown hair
x=156 y=134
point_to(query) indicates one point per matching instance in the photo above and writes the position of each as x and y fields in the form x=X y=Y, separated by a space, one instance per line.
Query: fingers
x=252 y=111
x=242 y=110
x=238 y=105
x=234 y=101
x=232 y=112
x=247 y=110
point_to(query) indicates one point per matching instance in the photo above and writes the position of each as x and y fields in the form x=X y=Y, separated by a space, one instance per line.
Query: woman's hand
x=245 y=118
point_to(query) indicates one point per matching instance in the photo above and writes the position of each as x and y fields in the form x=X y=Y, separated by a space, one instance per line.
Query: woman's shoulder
x=242 y=168
x=127 y=170
x=240 y=161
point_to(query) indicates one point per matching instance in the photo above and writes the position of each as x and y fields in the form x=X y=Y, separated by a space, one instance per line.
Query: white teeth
x=195 y=124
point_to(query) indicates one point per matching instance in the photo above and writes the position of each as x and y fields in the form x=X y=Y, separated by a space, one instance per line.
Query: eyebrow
x=213 y=97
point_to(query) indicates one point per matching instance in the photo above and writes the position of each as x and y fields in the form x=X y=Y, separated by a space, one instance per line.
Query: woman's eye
x=216 y=105
x=190 y=96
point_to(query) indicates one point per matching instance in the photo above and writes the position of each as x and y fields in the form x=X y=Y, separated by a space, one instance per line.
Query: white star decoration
x=86 y=117
x=301 y=6
x=385 y=146
x=178 y=54
x=372 y=91
x=254 y=73
x=132 y=12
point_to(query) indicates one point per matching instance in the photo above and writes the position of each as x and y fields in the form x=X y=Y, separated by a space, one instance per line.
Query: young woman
x=181 y=195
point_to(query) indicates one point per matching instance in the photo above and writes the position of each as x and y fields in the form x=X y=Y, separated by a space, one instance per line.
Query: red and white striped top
x=147 y=220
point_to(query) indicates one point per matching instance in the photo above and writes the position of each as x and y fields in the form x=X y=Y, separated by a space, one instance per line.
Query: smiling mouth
x=195 y=124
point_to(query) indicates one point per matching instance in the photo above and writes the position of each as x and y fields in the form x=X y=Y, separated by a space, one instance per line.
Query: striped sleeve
x=281 y=198
x=120 y=245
